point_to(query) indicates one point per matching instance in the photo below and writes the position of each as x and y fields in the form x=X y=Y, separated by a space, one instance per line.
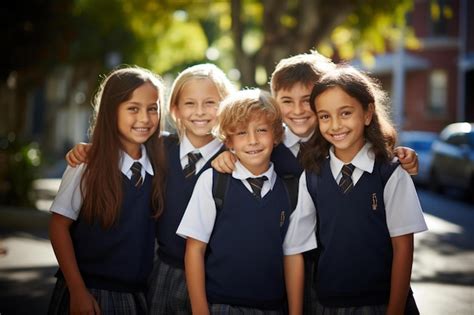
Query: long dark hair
x=380 y=132
x=101 y=183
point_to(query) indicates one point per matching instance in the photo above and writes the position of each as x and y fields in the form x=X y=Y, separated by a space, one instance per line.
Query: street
x=442 y=278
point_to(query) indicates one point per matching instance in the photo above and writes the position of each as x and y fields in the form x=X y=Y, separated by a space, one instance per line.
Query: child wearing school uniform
x=365 y=205
x=193 y=103
x=234 y=255
x=291 y=84
x=102 y=227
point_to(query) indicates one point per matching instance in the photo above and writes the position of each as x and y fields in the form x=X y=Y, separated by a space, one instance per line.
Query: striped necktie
x=137 y=178
x=346 y=180
x=190 y=169
x=256 y=184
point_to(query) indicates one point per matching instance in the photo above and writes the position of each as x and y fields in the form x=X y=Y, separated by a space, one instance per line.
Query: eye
x=211 y=103
x=346 y=113
x=323 y=117
x=188 y=104
x=153 y=109
x=262 y=130
x=306 y=101
x=133 y=109
x=241 y=133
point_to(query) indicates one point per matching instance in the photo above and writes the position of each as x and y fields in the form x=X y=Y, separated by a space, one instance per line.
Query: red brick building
x=433 y=85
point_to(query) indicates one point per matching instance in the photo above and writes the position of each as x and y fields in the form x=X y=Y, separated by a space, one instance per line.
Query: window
x=438 y=89
x=441 y=16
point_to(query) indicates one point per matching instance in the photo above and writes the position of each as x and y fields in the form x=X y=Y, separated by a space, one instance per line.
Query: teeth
x=299 y=120
x=141 y=129
x=254 y=152
x=339 y=136
x=200 y=122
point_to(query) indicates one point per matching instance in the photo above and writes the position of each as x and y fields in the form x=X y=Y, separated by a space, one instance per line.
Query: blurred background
x=55 y=53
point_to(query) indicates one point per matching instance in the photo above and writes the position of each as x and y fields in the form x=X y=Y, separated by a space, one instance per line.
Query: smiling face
x=342 y=120
x=253 y=144
x=196 y=110
x=138 y=118
x=296 y=110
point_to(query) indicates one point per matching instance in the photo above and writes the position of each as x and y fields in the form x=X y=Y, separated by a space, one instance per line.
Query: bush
x=19 y=162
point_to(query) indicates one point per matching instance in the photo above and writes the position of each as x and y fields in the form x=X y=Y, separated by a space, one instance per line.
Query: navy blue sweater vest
x=356 y=252
x=179 y=189
x=120 y=258
x=285 y=163
x=244 y=262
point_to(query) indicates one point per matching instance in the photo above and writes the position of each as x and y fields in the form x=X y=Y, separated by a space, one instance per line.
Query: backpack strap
x=291 y=184
x=220 y=183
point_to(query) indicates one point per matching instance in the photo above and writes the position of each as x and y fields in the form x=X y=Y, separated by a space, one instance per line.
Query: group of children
x=238 y=243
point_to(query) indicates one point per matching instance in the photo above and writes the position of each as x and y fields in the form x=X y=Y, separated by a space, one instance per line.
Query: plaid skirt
x=224 y=309
x=410 y=309
x=110 y=302
x=168 y=292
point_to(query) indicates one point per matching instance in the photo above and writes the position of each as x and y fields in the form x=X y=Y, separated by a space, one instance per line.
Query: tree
x=289 y=27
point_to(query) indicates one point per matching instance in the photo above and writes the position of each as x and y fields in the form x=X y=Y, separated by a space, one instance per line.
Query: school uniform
x=244 y=238
x=168 y=292
x=354 y=269
x=114 y=263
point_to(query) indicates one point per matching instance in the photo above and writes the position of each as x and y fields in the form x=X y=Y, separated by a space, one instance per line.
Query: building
x=432 y=86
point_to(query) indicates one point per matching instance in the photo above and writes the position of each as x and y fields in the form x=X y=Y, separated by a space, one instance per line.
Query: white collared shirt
x=403 y=210
x=292 y=141
x=207 y=151
x=198 y=219
x=68 y=200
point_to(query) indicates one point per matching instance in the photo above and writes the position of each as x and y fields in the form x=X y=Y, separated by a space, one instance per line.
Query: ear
x=228 y=143
x=369 y=113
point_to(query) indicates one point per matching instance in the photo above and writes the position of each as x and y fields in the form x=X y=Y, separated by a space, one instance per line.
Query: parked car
x=421 y=142
x=453 y=159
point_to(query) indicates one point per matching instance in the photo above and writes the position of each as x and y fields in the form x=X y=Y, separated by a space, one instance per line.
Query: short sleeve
x=301 y=235
x=198 y=219
x=402 y=206
x=68 y=200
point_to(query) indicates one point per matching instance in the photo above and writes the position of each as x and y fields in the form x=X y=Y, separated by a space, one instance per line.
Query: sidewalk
x=27 y=269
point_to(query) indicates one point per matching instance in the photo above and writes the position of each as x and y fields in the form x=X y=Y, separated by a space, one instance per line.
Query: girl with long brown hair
x=102 y=226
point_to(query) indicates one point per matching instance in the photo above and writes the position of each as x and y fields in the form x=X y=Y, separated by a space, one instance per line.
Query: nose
x=200 y=109
x=298 y=108
x=144 y=116
x=335 y=124
x=252 y=137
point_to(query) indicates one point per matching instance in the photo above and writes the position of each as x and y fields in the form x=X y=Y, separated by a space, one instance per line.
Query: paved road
x=443 y=271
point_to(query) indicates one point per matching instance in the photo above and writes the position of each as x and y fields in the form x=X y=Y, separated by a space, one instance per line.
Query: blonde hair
x=239 y=108
x=201 y=71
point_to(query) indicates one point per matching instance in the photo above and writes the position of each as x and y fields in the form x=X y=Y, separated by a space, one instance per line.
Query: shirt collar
x=242 y=173
x=363 y=160
x=127 y=161
x=290 y=139
x=207 y=151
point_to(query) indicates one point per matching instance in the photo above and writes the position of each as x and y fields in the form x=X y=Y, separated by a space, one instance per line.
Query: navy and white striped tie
x=346 y=180
x=256 y=184
x=190 y=169
x=137 y=178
